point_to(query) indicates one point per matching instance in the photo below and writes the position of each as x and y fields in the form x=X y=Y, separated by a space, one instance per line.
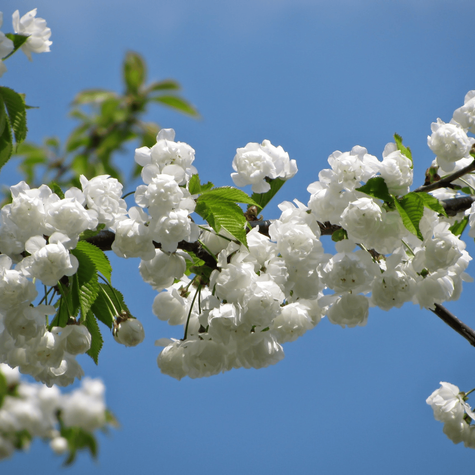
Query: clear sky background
x=313 y=76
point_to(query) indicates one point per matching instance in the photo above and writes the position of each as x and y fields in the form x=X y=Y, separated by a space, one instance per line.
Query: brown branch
x=456 y=205
x=104 y=241
x=453 y=322
x=444 y=182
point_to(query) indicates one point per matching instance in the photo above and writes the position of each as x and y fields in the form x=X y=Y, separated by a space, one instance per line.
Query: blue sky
x=313 y=76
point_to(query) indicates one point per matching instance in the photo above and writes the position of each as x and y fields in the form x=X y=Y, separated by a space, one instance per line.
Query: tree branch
x=453 y=322
x=456 y=205
x=447 y=180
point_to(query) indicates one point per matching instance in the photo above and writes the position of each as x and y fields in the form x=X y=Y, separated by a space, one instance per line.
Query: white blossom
x=256 y=162
x=396 y=169
x=103 y=195
x=36 y=30
x=449 y=142
x=349 y=310
x=48 y=262
x=465 y=115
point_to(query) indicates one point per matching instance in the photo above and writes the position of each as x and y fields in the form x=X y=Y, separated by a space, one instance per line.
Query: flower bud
x=128 y=332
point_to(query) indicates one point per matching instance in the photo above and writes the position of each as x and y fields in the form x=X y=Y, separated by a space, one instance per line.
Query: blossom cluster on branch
x=66 y=421
x=239 y=294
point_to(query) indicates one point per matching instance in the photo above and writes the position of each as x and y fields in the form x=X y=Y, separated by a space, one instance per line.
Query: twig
x=447 y=180
x=453 y=322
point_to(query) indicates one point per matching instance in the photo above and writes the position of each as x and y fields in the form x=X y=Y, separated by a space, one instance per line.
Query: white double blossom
x=36 y=30
x=256 y=162
x=450 y=408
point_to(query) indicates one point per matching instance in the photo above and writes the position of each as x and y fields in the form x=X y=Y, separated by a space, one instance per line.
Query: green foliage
x=410 y=206
x=134 y=71
x=262 y=199
x=3 y=388
x=411 y=209
x=96 y=337
x=12 y=122
x=432 y=203
x=78 y=439
x=6 y=139
x=192 y=265
x=67 y=304
x=18 y=41
x=98 y=258
x=377 y=188
x=220 y=209
x=177 y=103
x=406 y=151
x=339 y=235
x=86 y=285
x=459 y=226
x=83 y=293
x=55 y=188
x=195 y=187
x=108 y=305
x=108 y=121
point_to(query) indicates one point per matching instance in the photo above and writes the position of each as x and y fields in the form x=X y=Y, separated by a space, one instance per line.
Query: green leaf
x=218 y=207
x=55 y=188
x=87 y=286
x=98 y=257
x=377 y=188
x=96 y=337
x=459 y=226
x=3 y=116
x=177 y=103
x=195 y=187
x=432 y=203
x=165 y=85
x=339 y=235
x=6 y=145
x=3 y=388
x=406 y=151
x=93 y=95
x=134 y=71
x=67 y=304
x=15 y=104
x=411 y=209
x=78 y=439
x=262 y=199
x=196 y=262
x=18 y=41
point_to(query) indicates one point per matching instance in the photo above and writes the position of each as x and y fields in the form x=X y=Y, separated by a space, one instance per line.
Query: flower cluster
x=34 y=410
x=167 y=168
x=450 y=407
x=38 y=232
x=280 y=286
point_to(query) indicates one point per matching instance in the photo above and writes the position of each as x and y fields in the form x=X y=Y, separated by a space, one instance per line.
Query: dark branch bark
x=456 y=205
x=453 y=322
x=447 y=180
